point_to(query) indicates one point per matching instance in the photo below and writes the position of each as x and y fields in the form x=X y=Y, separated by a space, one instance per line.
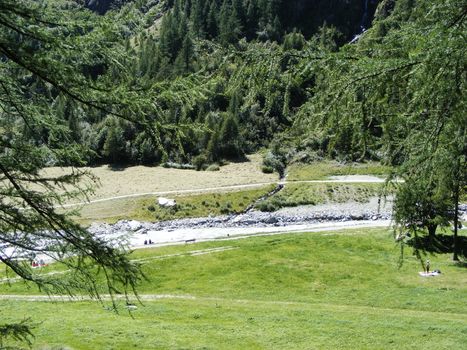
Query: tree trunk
x=432 y=231
x=455 y=243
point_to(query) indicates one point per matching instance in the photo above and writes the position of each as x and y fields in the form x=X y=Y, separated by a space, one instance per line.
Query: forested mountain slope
x=228 y=77
x=308 y=81
x=226 y=69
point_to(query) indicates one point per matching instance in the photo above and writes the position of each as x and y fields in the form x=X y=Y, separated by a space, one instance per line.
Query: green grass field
x=332 y=290
x=323 y=169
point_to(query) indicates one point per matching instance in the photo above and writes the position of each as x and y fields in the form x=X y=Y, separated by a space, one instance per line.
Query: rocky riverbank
x=334 y=216
x=302 y=215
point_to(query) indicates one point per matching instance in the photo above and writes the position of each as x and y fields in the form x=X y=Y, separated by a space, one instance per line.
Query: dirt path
x=189 y=253
x=174 y=192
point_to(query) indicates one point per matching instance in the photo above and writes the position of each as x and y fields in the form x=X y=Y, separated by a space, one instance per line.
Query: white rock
x=134 y=225
x=166 y=202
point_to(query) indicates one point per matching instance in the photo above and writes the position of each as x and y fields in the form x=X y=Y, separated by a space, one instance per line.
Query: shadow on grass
x=441 y=244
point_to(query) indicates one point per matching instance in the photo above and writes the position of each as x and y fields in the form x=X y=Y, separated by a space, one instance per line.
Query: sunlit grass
x=323 y=169
x=294 y=291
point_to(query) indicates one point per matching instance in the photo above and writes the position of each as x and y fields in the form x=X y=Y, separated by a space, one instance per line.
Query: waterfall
x=363 y=23
x=364 y=17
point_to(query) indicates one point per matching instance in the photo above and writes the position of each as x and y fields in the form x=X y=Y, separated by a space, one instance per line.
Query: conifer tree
x=114 y=146
x=229 y=136
x=212 y=26
x=230 y=27
x=252 y=15
x=46 y=44
x=183 y=61
x=198 y=18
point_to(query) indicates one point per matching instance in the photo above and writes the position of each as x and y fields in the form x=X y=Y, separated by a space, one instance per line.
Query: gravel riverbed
x=252 y=222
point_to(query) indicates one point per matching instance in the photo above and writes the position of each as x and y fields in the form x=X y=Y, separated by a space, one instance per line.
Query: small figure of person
x=145 y=242
x=150 y=242
x=427 y=266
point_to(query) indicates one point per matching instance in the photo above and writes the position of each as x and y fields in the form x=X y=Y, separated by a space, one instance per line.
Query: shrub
x=225 y=210
x=213 y=167
x=200 y=162
x=275 y=161
x=267 y=169
x=267 y=206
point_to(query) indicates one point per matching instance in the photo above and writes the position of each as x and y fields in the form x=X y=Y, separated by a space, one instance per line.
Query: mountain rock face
x=349 y=16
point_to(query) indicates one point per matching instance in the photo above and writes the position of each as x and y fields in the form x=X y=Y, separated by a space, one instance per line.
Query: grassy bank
x=323 y=169
x=317 y=193
x=296 y=291
x=197 y=205
x=136 y=180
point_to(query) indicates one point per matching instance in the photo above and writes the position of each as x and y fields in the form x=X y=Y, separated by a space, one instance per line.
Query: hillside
x=191 y=51
x=256 y=117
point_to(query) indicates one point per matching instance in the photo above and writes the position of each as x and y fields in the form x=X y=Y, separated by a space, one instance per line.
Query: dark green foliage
x=294 y=40
x=230 y=26
x=102 y=6
x=420 y=205
x=276 y=160
x=400 y=98
x=200 y=162
x=198 y=16
x=20 y=332
x=267 y=91
x=229 y=136
x=60 y=71
x=214 y=147
x=114 y=145
x=183 y=61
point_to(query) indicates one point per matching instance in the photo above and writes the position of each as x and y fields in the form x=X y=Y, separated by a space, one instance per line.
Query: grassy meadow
x=124 y=185
x=199 y=205
x=329 y=290
x=295 y=194
x=323 y=169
